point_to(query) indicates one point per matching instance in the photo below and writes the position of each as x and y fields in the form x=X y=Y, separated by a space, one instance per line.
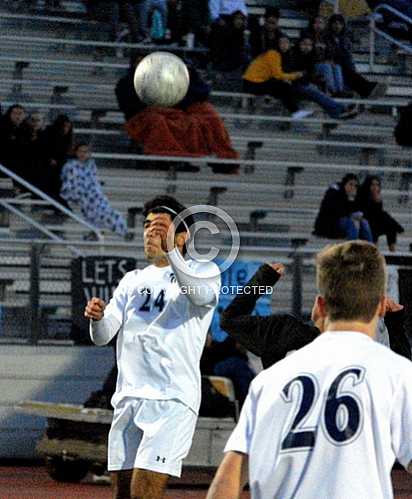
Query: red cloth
x=197 y=131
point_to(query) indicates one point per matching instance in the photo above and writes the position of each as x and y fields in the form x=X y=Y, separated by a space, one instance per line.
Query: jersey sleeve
x=240 y=439
x=199 y=281
x=401 y=422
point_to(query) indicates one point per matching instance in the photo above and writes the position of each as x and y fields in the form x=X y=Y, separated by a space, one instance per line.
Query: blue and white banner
x=233 y=279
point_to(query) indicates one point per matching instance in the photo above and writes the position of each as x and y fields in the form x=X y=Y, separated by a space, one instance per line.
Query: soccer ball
x=161 y=79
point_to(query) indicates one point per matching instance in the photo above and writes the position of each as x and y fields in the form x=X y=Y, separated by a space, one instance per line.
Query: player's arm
x=230 y=478
x=102 y=328
x=395 y=323
x=201 y=289
x=254 y=332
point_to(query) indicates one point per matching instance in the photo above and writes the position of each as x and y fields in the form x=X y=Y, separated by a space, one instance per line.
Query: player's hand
x=95 y=309
x=278 y=267
x=392 y=306
x=159 y=227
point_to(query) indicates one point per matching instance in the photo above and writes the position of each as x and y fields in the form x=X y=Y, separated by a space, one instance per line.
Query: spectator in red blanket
x=193 y=128
x=339 y=47
x=228 y=47
x=265 y=36
x=369 y=201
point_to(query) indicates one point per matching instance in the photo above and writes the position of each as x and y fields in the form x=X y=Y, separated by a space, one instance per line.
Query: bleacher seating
x=285 y=167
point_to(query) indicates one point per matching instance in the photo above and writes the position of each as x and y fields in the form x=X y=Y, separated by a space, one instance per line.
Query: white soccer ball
x=161 y=79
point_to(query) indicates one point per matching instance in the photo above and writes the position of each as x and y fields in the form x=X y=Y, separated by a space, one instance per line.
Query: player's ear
x=319 y=308
x=382 y=306
x=180 y=239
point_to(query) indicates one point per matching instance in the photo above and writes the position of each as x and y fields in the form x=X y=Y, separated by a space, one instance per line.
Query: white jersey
x=161 y=337
x=328 y=421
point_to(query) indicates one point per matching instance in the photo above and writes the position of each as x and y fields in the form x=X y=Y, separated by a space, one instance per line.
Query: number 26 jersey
x=328 y=421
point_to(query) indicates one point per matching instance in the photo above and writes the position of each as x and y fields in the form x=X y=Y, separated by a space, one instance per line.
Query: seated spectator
x=57 y=143
x=192 y=128
x=81 y=187
x=302 y=58
x=127 y=98
x=14 y=137
x=220 y=10
x=33 y=153
x=403 y=129
x=146 y=10
x=230 y=360
x=329 y=72
x=191 y=16
x=266 y=37
x=339 y=216
x=228 y=48
x=339 y=47
x=369 y=201
x=265 y=76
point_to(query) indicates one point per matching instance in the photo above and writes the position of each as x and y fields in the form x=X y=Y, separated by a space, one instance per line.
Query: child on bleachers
x=81 y=187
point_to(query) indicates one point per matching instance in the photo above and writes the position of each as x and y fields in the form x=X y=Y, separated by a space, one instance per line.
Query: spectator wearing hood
x=339 y=46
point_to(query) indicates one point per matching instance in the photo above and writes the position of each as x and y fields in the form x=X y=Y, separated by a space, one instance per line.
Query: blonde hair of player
x=351 y=280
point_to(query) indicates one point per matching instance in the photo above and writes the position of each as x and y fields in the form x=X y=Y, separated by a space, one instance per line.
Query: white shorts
x=149 y=434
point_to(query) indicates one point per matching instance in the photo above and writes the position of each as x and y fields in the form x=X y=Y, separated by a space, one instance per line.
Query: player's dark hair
x=351 y=277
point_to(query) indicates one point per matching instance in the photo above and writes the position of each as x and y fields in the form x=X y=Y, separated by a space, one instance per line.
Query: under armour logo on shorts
x=163 y=459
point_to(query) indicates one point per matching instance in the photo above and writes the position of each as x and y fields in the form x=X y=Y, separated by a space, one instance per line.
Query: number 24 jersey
x=328 y=421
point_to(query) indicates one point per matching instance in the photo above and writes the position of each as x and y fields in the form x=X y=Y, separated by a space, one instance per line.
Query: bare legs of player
x=138 y=484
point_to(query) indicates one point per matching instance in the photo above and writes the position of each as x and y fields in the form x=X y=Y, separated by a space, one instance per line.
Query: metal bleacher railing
x=380 y=10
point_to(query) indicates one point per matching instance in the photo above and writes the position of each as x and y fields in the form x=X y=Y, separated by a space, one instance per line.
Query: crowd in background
x=47 y=158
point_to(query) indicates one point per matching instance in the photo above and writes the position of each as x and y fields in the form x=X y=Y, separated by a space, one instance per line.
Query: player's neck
x=161 y=262
x=360 y=327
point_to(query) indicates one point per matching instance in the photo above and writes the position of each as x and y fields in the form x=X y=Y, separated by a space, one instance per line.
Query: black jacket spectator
x=273 y=336
x=403 y=129
x=370 y=203
x=14 y=136
x=57 y=143
x=266 y=37
x=339 y=47
x=335 y=205
x=228 y=49
x=127 y=99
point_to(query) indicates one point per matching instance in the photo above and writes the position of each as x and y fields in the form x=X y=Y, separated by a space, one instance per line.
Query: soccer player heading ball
x=329 y=420
x=161 y=316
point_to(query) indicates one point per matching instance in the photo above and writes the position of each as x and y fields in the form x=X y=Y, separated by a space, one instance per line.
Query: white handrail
x=374 y=30
x=36 y=225
x=51 y=201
